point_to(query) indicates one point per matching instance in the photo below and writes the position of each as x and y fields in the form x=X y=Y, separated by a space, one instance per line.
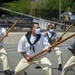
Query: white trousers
x=44 y=62
x=3 y=56
x=69 y=65
x=58 y=54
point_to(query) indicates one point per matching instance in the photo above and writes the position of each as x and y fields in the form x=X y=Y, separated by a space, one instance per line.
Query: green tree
x=20 y=6
x=46 y=7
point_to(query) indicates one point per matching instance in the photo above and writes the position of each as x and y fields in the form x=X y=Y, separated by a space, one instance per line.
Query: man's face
x=50 y=27
x=36 y=26
x=36 y=29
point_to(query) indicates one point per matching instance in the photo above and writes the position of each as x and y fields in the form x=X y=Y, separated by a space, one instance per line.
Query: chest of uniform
x=39 y=43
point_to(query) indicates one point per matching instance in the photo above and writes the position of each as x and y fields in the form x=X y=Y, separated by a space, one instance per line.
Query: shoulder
x=43 y=37
x=23 y=38
x=73 y=41
x=54 y=32
x=46 y=32
x=3 y=29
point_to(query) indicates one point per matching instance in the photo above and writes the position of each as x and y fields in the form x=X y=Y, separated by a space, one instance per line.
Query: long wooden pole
x=52 y=46
x=63 y=33
x=11 y=27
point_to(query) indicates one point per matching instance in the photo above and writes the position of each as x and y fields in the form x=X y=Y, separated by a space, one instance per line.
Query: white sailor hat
x=51 y=24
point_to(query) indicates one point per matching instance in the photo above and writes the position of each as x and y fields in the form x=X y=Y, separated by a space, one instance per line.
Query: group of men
x=32 y=43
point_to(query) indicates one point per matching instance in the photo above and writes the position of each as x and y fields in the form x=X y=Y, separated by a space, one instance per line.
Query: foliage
x=22 y=6
x=52 y=6
x=43 y=8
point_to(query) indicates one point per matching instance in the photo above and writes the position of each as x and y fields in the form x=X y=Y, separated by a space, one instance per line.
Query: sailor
x=71 y=62
x=52 y=36
x=3 y=53
x=31 y=44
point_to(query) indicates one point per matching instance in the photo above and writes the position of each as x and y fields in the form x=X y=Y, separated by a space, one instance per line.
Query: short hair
x=50 y=24
x=33 y=24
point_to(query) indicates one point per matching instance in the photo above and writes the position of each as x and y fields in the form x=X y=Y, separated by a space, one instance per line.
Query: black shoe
x=25 y=73
x=60 y=67
x=38 y=67
x=7 y=72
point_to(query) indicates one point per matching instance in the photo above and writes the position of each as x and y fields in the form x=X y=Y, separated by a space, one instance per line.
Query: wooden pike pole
x=56 y=42
x=11 y=27
x=43 y=51
x=63 y=33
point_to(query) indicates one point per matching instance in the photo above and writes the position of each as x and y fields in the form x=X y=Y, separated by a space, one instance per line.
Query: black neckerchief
x=28 y=35
x=49 y=38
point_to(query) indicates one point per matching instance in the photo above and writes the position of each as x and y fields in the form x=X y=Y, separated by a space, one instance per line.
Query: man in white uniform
x=52 y=36
x=3 y=54
x=71 y=62
x=30 y=44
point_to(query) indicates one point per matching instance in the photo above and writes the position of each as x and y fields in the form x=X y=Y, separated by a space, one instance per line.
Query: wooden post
x=43 y=51
x=11 y=27
x=63 y=33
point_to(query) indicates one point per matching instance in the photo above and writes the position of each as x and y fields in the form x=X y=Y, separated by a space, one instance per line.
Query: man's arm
x=5 y=34
x=46 y=45
x=72 y=47
x=57 y=38
x=21 y=48
x=26 y=56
